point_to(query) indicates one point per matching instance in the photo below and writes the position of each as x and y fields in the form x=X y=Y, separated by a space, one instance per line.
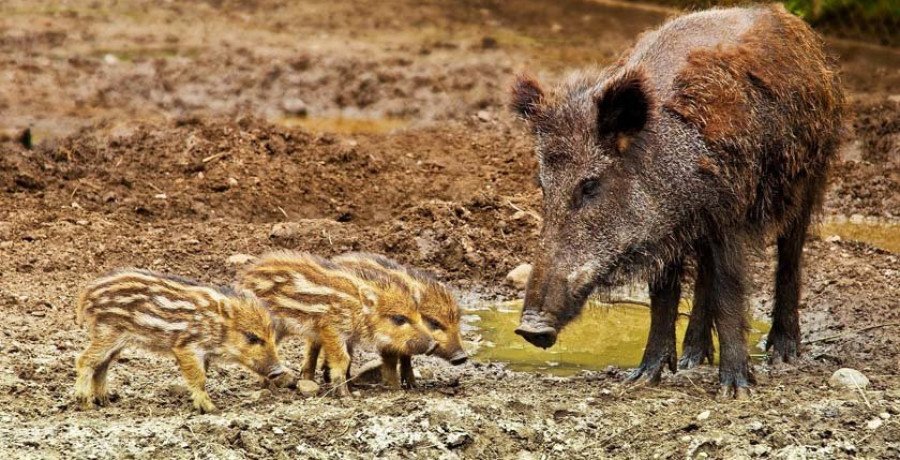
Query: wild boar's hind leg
x=722 y=262
x=194 y=372
x=665 y=292
x=784 y=338
x=698 y=344
x=407 y=377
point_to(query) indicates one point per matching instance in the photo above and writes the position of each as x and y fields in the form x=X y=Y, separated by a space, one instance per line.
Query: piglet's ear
x=624 y=105
x=527 y=97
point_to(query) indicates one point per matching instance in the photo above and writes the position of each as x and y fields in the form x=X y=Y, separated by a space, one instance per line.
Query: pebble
x=160 y=196
x=277 y=430
x=239 y=259
x=686 y=438
x=875 y=423
x=110 y=59
x=703 y=415
x=518 y=277
x=483 y=115
x=848 y=379
x=295 y=106
x=307 y=388
x=261 y=395
x=232 y=182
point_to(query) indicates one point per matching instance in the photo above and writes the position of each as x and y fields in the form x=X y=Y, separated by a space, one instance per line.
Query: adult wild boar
x=712 y=132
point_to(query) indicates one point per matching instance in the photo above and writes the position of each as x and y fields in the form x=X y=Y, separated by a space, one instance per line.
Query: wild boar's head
x=603 y=205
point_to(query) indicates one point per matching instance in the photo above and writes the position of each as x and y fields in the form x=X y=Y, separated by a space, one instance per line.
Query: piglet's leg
x=389 y=376
x=407 y=378
x=337 y=358
x=91 y=368
x=191 y=365
x=310 y=359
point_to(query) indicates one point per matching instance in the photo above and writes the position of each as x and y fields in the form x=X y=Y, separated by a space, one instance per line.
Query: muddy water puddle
x=604 y=335
x=881 y=235
x=344 y=124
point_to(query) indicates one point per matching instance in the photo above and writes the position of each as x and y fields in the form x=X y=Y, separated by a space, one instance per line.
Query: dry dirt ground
x=159 y=145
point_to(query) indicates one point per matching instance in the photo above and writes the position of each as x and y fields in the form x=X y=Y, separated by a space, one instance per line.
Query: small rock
x=283 y=230
x=38 y=313
x=307 y=388
x=295 y=106
x=458 y=439
x=483 y=115
x=232 y=182
x=110 y=59
x=884 y=415
x=239 y=259
x=160 y=196
x=703 y=415
x=261 y=395
x=755 y=425
x=556 y=28
x=109 y=197
x=686 y=438
x=81 y=222
x=518 y=277
x=847 y=378
x=6 y=244
x=833 y=239
x=277 y=430
x=875 y=423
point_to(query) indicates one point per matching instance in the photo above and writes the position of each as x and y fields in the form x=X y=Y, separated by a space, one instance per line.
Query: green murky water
x=344 y=125
x=880 y=235
x=603 y=335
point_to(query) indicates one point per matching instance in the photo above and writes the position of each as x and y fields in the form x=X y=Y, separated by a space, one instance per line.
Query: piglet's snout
x=432 y=346
x=276 y=371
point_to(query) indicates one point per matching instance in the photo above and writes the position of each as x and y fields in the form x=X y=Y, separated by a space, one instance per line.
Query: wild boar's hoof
x=539 y=336
x=458 y=359
x=694 y=355
x=784 y=348
x=650 y=370
x=728 y=392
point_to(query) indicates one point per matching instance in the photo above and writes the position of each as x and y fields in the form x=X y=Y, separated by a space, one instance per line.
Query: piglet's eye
x=253 y=339
x=399 y=320
x=434 y=325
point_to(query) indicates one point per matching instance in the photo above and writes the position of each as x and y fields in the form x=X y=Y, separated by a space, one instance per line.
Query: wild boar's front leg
x=194 y=371
x=92 y=366
x=722 y=262
x=407 y=377
x=665 y=293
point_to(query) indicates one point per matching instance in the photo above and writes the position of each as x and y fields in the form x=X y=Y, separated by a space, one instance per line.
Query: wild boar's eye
x=399 y=320
x=253 y=339
x=588 y=188
x=434 y=325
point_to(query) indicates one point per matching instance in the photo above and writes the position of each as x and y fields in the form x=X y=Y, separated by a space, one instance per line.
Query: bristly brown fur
x=714 y=131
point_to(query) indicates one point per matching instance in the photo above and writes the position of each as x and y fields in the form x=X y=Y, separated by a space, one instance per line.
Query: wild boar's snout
x=459 y=358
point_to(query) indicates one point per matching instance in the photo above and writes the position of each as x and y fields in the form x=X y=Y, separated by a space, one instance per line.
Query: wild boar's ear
x=527 y=97
x=624 y=105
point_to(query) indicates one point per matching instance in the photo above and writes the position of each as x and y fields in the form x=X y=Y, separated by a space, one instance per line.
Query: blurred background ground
x=172 y=135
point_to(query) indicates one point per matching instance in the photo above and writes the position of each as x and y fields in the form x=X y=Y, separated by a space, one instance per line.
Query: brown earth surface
x=168 y=138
